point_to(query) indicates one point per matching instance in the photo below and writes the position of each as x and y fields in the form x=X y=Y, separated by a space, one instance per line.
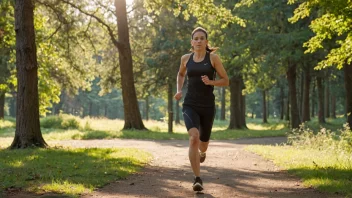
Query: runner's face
x=199 y=41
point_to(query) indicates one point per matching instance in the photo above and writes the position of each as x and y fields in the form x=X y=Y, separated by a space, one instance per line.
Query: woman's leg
x=203 y=146
x=193 y=153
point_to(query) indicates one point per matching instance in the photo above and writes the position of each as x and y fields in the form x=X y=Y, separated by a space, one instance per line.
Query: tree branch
x=110 y=31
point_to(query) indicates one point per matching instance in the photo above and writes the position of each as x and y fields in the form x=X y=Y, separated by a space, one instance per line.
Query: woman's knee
x=194 y=136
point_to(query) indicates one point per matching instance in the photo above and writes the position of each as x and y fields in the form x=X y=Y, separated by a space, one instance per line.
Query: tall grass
x=322 y=158
x=324 y=139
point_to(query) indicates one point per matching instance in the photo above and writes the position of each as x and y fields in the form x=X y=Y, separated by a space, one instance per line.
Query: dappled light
x=67 y=171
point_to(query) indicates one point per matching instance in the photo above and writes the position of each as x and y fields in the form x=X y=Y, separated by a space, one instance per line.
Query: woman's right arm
x=181 y=77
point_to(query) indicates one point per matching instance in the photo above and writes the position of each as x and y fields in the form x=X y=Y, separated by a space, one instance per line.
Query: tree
x=28 y=131
x=132 y=116
x=333 y=23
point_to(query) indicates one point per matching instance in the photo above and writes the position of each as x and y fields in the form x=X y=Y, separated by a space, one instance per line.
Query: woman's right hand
x=178 y=95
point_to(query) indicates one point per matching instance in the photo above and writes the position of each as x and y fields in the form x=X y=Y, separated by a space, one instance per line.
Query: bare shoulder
x=214 y=56
x=215 y=60
x=185 y=58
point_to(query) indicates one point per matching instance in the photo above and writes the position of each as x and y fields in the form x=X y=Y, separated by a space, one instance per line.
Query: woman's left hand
x=206 y=80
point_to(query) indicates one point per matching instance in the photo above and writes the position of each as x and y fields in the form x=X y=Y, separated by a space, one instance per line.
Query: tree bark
x=264 y=107
x=132 y=115
x=235 y=109
x=105 y=110
x=223 y=103
x=333 y=106
x=348 y=88
x=301 y=95
x=288 y=106
x=2 y=105
x=291 y=77
x=90 y=109
x=28 y=132
x=313 y=100
x=282 y=103
x=170 y=107
x=327 y=97
x=243 y=111
x=306 y=108
x=147 y=108
x=321 y=114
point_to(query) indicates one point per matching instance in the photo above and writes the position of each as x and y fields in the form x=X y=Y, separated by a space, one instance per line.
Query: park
x=88 y=109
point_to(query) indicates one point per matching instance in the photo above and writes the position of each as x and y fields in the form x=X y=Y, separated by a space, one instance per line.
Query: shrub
x=62 y=121
x=324 y=139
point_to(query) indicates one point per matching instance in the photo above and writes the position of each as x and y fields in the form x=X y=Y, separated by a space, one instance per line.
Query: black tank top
x=199 y=94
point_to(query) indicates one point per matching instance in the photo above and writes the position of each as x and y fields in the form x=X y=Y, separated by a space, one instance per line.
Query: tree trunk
x=301 y=92
x=348 y=88
x=327 y=97
x=267 y=106
x=291 y=77
x=223 y=103
x=333 y=106
x=282 y=103
x=147 y=108
x=132 y=116
x=264 y=107
x=28 y=132
x=306 y=108
x=90 y=109
x=105 y=110
x=2 y=105
x=321 y=116
x=313 y=100
x=243 y=111
x=288 y=106
x=235 y=109
x=177 y=118
x=170 y=107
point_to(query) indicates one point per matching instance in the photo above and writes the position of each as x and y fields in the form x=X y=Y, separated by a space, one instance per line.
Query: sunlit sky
x=129 y=2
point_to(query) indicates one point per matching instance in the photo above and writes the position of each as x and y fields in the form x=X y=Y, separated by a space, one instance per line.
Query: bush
x=324 y=139
x=62 y=121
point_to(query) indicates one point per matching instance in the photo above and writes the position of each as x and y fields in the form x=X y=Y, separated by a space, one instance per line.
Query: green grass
x=67 y=127
x=67 y=171
x=327 y=171
x=99 y=128
x=331 y=124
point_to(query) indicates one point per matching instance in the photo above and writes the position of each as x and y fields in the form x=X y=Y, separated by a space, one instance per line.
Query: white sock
x=202 y=154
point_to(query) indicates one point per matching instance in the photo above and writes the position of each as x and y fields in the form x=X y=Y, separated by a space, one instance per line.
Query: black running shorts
x=201 y=118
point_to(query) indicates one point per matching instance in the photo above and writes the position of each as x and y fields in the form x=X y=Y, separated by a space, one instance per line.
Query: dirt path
x=229 y=171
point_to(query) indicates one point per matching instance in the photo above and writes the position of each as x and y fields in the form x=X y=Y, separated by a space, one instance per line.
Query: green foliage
x=332 y=23
x=63 y=121
x=324 y=139
x=65 y=170
x=7 y=46
x=197 y=8
x=5 y=123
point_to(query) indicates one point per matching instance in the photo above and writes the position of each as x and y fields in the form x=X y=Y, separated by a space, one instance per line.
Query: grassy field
x=94 y=128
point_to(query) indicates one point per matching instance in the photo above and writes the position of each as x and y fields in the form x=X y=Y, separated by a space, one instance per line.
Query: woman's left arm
x=217 y=64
